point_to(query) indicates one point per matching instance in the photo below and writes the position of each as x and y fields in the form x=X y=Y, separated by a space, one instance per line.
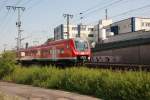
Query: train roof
x=121 y=44
x=49 y=43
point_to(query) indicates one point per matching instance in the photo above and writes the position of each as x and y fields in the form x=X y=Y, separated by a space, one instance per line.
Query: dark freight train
x=135 y=51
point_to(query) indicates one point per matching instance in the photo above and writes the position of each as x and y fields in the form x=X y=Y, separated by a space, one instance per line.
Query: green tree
x=7 y=63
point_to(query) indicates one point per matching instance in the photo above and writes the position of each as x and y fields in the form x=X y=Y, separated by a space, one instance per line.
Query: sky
x=42 y=16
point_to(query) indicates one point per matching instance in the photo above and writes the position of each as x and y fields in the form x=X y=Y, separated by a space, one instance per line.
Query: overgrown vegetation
x=7 y=63
x=101 y=83
x=105 y=84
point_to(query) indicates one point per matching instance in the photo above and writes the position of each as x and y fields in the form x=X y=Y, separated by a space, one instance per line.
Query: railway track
x=127 y=67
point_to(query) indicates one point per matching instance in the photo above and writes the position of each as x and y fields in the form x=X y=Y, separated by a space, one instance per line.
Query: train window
x=34 y=52
x=45 y=51
x=22 y=54
x=81 y=45
x=58 y=51
x=38 y=52
x=50 y=51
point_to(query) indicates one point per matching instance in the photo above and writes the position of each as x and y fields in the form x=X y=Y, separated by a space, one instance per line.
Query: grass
x=105 y=84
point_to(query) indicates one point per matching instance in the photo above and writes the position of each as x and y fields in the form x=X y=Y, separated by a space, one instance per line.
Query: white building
x=60 y=32
x=132 y=24
x=100 y=33
x=128 y=36
x=106 y=29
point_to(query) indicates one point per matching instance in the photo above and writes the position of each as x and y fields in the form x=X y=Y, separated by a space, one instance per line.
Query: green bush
x=7 y=63
x=105 y=84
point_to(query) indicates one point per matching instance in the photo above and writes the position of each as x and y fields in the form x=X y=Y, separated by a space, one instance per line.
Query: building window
x=148 y=24
x=83 y=29
x=143 y=24
x=124 y=26
x=108 y=30
x=115 y=29
x=91 y=35
x=74 y=28
x=90 y=29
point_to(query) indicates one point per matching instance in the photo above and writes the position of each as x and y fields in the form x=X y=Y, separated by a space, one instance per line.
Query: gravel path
x=11 y=91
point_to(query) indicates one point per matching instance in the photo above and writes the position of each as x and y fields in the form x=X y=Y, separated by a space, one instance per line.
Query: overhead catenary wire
x=104 y=7
x=3 y=3
x=3 y=18
x=32 y=5
x=35 y=4
x=6 y=25
x=83 y=12
x=146 y=12
x=126 y=12
x=92 y=10
x=9 y=18
x=132 y=10
x=18 y=2
x=27 y=2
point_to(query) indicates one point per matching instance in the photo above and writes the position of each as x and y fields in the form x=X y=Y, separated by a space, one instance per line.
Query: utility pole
x=68 y=16
x=18 y=23
x=80 y=25
x=98 y=33
x=106 y=14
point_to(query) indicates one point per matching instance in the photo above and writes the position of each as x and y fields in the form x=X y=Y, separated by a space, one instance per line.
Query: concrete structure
x=106 y=31
x=60 y=32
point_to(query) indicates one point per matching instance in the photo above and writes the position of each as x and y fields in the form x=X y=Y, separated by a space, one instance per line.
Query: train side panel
x=129 y=55
x=56 y=51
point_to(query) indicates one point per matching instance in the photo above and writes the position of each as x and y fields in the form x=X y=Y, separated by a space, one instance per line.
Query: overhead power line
x=27 y=2
x=33 y=5
x=36 y=3
x=104 y=7
x=18 y=2
x=6 y=15
x=124 y=13
x=106 y=1
x=2 y=4
x=132 y=10
x=92 y=9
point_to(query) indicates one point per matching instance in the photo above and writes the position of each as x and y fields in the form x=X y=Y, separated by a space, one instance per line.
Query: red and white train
x=68 y=51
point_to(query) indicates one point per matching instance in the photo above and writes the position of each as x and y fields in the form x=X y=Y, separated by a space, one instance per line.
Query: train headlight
x=82 y=53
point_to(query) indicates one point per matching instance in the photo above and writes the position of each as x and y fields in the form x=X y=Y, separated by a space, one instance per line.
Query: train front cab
x=82 y=50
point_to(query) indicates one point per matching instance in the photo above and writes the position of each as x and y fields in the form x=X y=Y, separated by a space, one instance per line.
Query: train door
x=54 y=53
x=38 y=53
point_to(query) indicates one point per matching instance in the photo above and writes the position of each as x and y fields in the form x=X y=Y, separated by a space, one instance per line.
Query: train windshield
x=81 y=45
